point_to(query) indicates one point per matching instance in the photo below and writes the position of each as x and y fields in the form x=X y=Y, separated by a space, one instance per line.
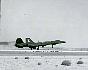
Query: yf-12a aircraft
x=29 y=43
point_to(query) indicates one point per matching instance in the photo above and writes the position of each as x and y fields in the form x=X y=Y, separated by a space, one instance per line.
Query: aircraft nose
x=63 y=42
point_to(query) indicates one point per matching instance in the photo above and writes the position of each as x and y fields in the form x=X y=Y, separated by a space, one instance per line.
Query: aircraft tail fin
x=19 y=40
x=28 y=40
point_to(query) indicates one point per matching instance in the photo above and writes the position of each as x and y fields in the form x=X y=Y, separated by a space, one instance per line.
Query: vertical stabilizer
x=19 y=40
x=28 y=40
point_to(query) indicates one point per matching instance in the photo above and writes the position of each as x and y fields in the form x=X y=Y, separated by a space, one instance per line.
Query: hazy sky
x=46 y=20
x=0 y=17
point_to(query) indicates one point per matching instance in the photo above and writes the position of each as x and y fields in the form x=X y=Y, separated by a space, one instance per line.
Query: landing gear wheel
x=37 y=48
x=31 y=48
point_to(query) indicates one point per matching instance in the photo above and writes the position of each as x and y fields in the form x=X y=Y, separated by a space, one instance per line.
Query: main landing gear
x=52 y=45
x=38 y=48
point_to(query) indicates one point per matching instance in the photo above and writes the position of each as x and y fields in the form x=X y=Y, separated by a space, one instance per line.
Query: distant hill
x=4 y=43
x=7 y=43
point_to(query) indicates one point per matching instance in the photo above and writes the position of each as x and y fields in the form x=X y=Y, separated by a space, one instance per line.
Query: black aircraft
x=29 y=43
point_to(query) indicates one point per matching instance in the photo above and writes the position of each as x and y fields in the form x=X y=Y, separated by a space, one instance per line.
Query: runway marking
x=42 y=53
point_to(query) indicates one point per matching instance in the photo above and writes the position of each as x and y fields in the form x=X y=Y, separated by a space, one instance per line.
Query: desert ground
x=42 y=63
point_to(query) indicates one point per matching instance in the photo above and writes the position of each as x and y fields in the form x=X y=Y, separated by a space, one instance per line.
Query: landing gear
x=38 y=48
x=31 y=48
x=42 y=46
x=52 y=45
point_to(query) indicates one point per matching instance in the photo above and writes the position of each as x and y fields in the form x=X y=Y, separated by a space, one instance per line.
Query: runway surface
x=42 y=53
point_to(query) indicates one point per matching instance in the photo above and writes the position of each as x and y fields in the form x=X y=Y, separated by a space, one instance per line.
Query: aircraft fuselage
x=29 y=43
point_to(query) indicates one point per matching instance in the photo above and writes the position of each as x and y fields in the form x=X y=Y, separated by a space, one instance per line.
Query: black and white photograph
x=43 y=34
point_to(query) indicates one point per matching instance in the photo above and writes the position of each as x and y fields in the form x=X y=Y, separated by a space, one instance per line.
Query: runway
x=42 y=60
x=42 y=53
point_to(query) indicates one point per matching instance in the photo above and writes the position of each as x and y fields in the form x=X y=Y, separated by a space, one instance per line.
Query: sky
x=0 y=13
x=43 y=20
